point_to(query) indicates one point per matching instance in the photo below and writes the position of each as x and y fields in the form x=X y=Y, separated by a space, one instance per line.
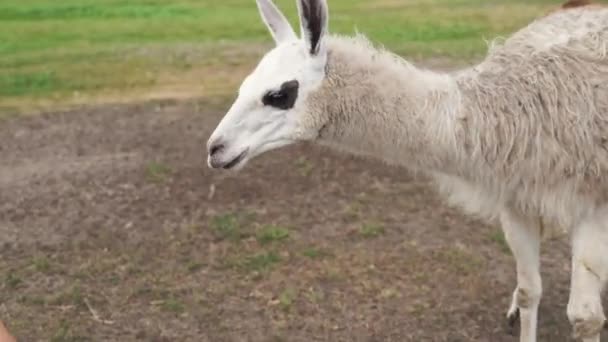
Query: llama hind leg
x=589 y=275
x=523 y=236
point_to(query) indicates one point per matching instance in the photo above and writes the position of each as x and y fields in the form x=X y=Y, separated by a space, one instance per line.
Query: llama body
x=521 y=138
x=544 y=151
x=536 y=113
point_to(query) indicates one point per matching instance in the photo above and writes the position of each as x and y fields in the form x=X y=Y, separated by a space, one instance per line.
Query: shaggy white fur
x=527 y=127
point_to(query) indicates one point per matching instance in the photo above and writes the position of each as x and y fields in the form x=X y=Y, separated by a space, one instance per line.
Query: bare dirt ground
x=113 y=229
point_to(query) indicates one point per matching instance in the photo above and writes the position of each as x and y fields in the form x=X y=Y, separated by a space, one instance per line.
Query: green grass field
x=82 y=51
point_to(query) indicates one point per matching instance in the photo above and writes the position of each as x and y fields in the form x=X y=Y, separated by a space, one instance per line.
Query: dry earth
x=113 y=229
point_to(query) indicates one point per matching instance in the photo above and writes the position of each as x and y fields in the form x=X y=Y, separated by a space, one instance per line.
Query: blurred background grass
x=54 y=53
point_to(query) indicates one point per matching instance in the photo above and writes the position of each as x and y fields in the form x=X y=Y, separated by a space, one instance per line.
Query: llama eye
x=284 y=98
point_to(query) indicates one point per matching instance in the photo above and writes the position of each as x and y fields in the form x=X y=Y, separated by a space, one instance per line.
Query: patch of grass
x=157 y=172
x=227 y=227
x=65 y=334
x=312 y=253
x=459 y=260
x=286 y=298
x=356 y=208
x=41 y=264
x=261 y=261
x=498 y=237
x=70 y=296
x=314 y=296
x=173 y=305
x=353 y=210
x=22 y=83
x=12 y=280
x=315 y=253
x=194 y=266
x=371 y=230
x=62 y=333
x=32 y=300
x=304 y=166
x=269 y=234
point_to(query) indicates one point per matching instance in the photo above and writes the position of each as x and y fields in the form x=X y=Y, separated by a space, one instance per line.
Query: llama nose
x=215 y=148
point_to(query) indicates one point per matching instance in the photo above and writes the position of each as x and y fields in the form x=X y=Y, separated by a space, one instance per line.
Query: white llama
x=522 y=137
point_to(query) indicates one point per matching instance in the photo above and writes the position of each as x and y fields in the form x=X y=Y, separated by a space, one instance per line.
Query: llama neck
x=379 y=106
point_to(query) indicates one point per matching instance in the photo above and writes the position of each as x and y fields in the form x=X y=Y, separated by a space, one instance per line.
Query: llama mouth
x=234 y=162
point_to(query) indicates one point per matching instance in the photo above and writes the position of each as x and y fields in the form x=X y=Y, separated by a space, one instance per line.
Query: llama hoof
x=587 y=318
x=587 y=330
x=512 y=320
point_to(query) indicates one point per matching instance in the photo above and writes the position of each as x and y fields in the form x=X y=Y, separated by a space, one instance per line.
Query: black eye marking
x=284 y=98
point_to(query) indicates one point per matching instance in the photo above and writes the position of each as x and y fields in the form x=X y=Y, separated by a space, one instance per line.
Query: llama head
x=269 y=111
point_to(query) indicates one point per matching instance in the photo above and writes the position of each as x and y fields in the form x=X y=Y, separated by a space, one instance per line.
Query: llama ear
x=313 y=23
x=276 y=22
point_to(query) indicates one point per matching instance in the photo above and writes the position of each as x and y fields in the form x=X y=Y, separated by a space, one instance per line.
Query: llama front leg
x=523 y=236
x=589 y=275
